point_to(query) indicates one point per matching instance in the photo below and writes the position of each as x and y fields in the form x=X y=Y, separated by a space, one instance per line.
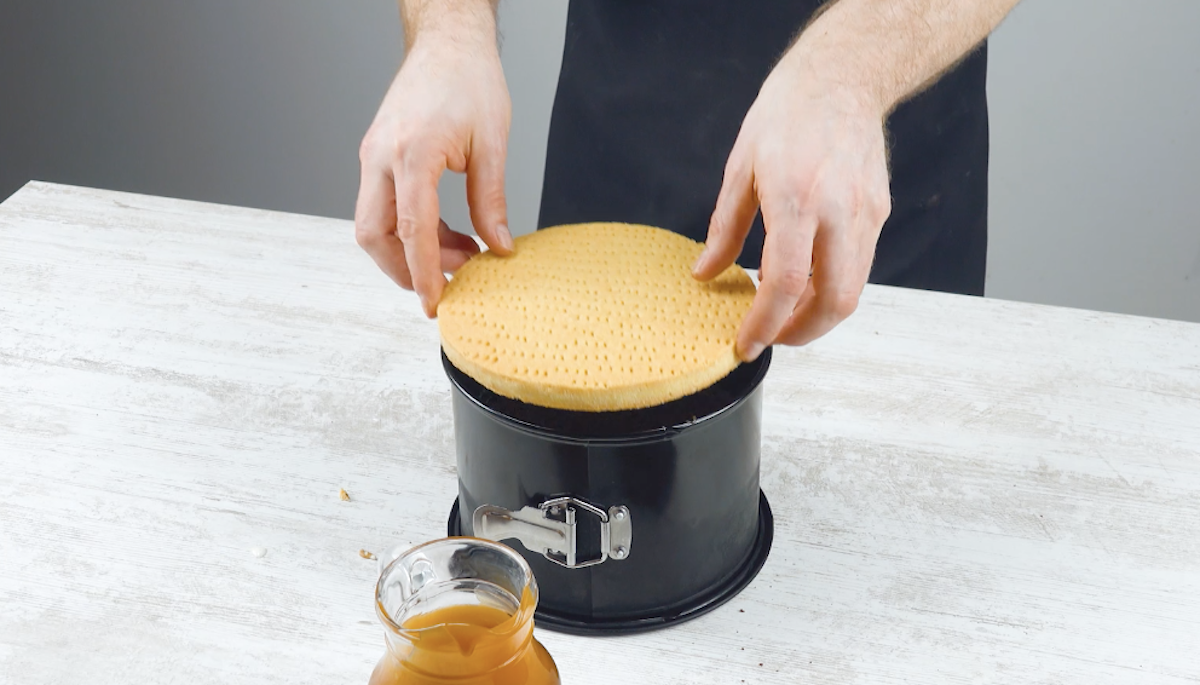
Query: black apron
x=652 y=94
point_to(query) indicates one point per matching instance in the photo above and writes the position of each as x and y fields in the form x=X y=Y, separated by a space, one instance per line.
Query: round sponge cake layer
x=594 y=317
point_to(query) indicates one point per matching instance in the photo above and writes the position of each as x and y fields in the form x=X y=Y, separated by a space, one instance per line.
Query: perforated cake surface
x=594 y=317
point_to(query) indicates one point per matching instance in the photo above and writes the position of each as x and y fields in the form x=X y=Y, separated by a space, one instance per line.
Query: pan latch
x=551 y=528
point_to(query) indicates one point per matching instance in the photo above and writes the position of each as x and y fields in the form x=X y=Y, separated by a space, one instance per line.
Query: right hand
x=448 y=108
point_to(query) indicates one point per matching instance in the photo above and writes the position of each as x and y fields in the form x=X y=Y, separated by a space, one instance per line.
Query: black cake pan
x=631 y=520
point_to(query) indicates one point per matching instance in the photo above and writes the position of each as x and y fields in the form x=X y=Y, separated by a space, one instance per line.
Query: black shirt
x=650 y=99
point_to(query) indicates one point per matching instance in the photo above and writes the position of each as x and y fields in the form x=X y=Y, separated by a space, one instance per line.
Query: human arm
x=812 y=154
x=448 y=108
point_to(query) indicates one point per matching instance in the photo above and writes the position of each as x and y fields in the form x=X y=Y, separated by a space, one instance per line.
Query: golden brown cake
x=594 y=317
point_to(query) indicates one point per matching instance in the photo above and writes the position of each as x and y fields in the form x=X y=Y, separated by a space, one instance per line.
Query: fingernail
x=751 y=353
x=505 y=238
x=425 y=307
x=700 y=262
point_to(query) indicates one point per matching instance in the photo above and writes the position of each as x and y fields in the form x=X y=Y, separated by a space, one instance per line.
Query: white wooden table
x=965 y=490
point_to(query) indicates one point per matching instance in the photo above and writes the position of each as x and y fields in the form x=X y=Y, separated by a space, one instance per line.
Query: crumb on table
x=345 y=496
x=365 y=554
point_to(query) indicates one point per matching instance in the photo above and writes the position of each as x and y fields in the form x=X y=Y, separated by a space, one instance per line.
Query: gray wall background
x=1095 y=123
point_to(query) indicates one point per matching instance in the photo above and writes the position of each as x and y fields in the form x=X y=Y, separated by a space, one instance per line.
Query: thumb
x=485 y=195
x=731 y=219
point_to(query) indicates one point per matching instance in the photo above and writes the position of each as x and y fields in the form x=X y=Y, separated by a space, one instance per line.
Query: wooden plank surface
x=965 y=490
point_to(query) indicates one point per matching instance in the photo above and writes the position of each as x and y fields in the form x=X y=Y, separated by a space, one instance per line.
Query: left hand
x=811 y=152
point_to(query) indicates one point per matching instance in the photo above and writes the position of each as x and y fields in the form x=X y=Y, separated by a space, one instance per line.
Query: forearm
x=469 y=23
x=883 y=51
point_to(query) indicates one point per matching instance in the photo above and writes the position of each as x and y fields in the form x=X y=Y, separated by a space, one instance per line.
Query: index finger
x=417 y=227
x=787 y=256
x=731 y=218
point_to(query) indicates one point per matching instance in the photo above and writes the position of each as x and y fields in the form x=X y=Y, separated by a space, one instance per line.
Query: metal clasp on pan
x=551 y=529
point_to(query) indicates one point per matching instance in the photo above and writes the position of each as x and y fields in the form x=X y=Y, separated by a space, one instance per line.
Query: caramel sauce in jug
x=457 y=625
x=464 y=638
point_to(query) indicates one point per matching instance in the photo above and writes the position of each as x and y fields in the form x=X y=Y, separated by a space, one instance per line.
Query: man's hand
x=812 y=154
x=448 y=108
